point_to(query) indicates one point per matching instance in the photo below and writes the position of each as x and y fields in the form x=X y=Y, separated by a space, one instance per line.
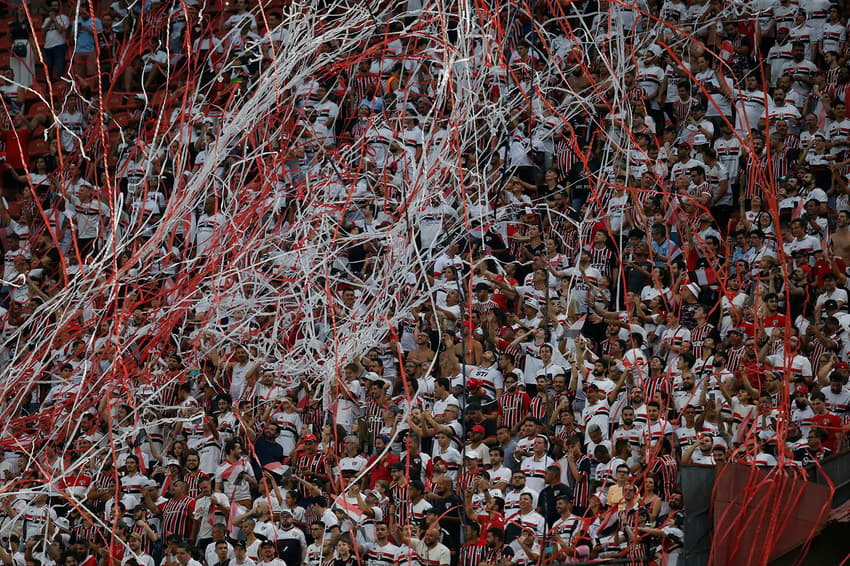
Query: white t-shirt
x=439 y=555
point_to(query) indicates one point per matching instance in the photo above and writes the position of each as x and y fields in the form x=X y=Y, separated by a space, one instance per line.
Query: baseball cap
x=651 y=294
x=802 y=389
x=736 y=330
x=830 y=304
x=478 y=428
x=308 y=437
x=397 y=466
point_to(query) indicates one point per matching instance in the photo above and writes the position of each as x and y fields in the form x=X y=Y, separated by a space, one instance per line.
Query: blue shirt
x=85 y=37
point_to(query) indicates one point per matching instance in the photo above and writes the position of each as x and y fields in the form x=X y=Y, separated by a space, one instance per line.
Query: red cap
x=478 y=428
x=472 y=384
x=841 y=365
x=307 y=437
x=802 y=389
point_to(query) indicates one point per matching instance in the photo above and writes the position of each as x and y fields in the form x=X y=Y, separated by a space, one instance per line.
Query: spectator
x=86 y=29
x=55 y=27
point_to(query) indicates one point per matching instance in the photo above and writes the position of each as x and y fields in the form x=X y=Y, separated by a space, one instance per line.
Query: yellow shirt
x=615 y=497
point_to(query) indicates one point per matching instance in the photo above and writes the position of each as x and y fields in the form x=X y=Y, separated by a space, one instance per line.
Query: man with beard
x=816 y=449
x=671 y=531
x=235 y=477
x=500 y=475
x=193 y=474
x=579 y=466
x=210 y=508
x=447 y=505
x=512 y=495
x=684 y=388
x=268 y=556
x=597 y=410
x=825 y=420
x=472 y=552
x=700 y=452
x=837 y=396
x=552 y=494
x=801 y=412
x=266 y=447
x=567 y=530
x=630 y=432
x=657 y=428
x=497 y=551
x=686 y=433
x=291 y=543
x=429 y=550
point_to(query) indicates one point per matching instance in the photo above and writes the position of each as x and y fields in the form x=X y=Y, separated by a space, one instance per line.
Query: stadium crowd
x=643 y=263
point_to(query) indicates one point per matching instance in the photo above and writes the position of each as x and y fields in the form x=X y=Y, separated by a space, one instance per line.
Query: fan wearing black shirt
x=546 y=502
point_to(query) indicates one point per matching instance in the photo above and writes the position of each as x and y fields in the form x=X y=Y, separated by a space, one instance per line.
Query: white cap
x=651 y=293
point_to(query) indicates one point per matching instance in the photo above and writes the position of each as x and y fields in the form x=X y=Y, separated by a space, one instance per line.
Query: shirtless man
x=423 y=353
x=840 y=239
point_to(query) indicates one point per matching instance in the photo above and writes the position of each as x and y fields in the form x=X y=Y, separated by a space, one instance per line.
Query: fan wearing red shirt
x=494 y=516
x=513 y=404
x=502 y=283
x=381 y=470
x=771 y=317
x=829 y=422
x=177 y=513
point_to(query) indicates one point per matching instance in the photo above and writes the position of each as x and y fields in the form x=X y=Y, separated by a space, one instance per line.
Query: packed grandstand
x=415 y=283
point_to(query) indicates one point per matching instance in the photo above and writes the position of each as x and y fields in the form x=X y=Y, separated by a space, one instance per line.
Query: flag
x=743 y=429
x=276 y=468
x=671 y=217
x=704 y=276
x=609 y=519
x=235 y=511
x=574 y=331
x=351 y=508
x=230 y=469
